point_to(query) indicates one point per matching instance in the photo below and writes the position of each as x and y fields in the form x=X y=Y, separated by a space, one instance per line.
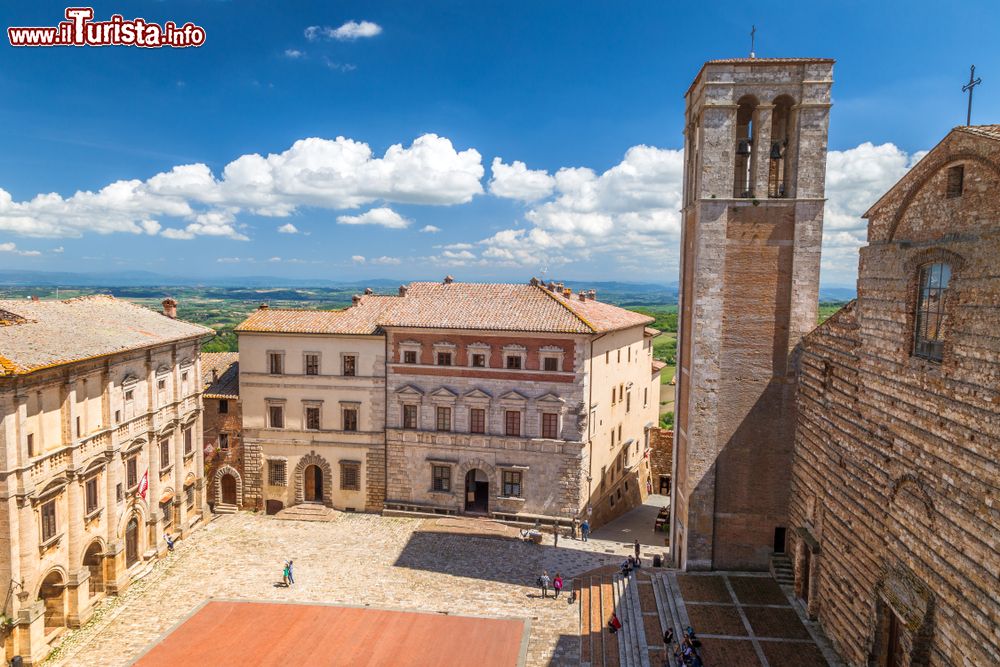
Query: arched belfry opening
x=779 y=170
x=745 y=139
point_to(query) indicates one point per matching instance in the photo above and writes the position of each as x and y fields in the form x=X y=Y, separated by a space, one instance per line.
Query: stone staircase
x=308 y=512
x=223 y=508
x=781 y=569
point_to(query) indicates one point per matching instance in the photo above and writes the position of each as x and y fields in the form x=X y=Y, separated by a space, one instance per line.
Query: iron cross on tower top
x=967 y=88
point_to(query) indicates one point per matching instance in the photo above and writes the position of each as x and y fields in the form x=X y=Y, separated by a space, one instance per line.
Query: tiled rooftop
x=220 y=372
x=40 y=334
x=453 y=305
x=988 y=131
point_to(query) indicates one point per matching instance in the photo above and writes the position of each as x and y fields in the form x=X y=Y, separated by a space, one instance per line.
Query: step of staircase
x=782 y=570
x=223 y=508
x=308 y=512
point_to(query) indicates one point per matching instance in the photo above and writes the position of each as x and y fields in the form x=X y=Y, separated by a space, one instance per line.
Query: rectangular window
x=619 y=433
x=441 y=476
x=512 y=483
x=409 y=357
x=119 y=492
x=514 y=361
x=223 y=441
x=956 y=175
x=350 y=365
x=118 y=416
x=91 y=489
x=275 y=363
x=78 y=427
x=188 y=441
x=629 y=353
x=132 y=472
x=164 y=453
x=168 y=514
x=550 y=425
x=312 y=364
x=444 y=419
x=48 y=520
x=277 y=473
x=161 y=385
x=129 y=395
x=928 y=338
x=184 y=383
x=645 y=397
x=444 y=358
x=477 y=420
x=312 y=418
x=223 y=406
x=614 y=396
x=350 y=419
x=551 y=363
x=31 y=444
x=410 y=416
x=512 y=422
x=479 y=360
x=189 y=494
x=350 y=477
x=276 y=416
x=628 y=401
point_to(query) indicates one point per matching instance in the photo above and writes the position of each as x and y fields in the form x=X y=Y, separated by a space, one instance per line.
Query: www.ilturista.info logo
x=81 y=30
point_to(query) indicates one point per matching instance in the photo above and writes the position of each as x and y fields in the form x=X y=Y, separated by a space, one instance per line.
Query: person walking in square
x=284 y=575
x=585 y=529
x=291 y=575
x=557 y=585
x=543 y=583
x=637 y=549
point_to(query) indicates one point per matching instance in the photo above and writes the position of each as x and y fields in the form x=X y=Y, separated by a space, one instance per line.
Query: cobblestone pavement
x=358 y=559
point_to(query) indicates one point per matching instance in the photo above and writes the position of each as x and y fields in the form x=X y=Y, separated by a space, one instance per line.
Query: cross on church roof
x=973 y=82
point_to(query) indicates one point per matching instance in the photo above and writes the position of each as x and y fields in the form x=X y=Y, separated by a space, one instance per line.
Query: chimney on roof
x=583 y=295
x=592 y=295
x=533 y=282
x=356 y=299
x=551 y=286
x=34 y=297
x=262 y=306
x=448 y=280
x=402 y=290
x=215 y=375
x=369 y=290
x=567 y=292
x=170 y=307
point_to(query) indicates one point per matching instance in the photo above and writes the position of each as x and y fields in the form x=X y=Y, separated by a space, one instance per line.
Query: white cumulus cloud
x=430 y=229
x=294 y=54
x=516 y=181
x=350 y=30
x=288 y=228
x=333 y=174
x=382 y=216
x=386 y=261
x=12 y=248
x=358 y=259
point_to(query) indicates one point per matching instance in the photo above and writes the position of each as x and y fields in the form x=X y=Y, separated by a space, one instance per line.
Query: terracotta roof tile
x=41 y=334
x=988 y=131
x=225 y=381
x=481 y=306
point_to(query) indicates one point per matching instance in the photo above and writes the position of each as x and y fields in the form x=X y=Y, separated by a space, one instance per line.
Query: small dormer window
x=956 y=177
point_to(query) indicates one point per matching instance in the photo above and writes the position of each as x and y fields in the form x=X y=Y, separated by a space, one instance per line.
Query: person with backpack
x=543 y=583
x=557 y=584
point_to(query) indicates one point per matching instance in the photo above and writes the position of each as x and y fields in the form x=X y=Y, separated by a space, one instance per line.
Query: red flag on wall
x=143 y=484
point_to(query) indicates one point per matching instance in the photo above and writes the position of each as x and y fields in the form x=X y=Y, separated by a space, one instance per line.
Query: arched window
x=781 y=128
x=932 y=287
x=743 y=176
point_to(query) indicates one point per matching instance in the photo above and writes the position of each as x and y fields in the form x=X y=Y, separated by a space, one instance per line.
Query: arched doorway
x=94 y=561
x=312 y=483
x=132 y=542
x=53 y=594
x=228 y=486
x=477 y=491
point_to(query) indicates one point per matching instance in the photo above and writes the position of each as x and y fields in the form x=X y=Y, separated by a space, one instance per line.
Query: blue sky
x=586 y=96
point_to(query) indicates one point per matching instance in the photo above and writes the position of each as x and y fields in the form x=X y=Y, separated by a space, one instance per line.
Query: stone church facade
x=895 y=478
x=755 y=161
x=100 y=456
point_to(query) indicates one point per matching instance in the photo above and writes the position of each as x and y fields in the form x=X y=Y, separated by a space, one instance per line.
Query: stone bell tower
x=755 y=161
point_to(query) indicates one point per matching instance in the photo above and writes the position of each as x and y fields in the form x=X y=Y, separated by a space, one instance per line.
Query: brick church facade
x=895 y=477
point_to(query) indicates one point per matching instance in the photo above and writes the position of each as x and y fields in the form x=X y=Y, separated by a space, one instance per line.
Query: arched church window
x=932 y=288
x=745 y=131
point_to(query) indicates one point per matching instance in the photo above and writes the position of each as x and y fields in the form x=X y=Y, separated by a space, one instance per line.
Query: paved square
x=358 y=559
x=234 y=634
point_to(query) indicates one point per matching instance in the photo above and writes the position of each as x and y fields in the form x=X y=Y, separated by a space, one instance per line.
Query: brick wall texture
x=895 y=476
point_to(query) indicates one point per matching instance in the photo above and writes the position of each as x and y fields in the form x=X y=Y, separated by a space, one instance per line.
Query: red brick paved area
x=235 y=634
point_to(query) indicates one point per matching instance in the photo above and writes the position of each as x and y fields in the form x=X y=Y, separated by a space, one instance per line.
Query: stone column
x=761 y=149
x=77 y=586
x=201 y=488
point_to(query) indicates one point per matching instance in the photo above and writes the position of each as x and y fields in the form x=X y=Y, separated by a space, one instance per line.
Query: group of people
x=545 y=582
x=632 y=562
x=685 y=651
